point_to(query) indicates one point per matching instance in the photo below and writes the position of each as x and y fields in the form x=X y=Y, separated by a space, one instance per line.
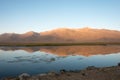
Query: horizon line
x=60 y=28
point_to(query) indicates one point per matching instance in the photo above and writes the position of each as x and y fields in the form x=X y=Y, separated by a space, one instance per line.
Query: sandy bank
x=90 y=73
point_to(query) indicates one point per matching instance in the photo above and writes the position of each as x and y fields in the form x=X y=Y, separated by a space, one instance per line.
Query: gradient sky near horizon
x=20 y=16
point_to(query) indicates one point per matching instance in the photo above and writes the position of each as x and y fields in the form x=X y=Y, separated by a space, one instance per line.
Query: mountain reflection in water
x=34 y=60
x=69 y=50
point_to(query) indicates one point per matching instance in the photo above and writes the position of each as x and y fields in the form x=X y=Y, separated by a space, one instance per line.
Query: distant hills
x=63 y=35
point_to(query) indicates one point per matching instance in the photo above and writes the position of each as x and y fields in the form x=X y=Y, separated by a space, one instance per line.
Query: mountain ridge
x=64 y=35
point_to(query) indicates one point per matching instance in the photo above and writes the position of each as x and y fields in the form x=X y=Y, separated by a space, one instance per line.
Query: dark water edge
x=90 y=73
x=60 y=44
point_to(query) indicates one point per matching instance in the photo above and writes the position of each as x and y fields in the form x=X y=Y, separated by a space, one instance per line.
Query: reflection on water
x=34 y=60
x=68 y=50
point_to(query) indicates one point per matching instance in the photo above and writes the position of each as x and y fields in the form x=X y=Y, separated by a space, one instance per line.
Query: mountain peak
x=8 y=34
x=87 y=28
x=30 y=32
x=61 y=29
x=69 y=29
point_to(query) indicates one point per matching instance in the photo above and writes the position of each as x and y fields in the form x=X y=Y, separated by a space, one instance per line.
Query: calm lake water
x=35 y=60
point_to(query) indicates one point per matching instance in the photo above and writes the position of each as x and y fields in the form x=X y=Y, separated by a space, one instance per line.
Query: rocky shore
x=90 y=73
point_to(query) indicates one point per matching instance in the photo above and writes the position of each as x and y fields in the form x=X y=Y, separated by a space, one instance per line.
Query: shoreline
x=90 y=73
x=60 y=44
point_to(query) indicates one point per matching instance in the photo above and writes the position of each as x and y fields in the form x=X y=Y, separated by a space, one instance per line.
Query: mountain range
x=63 y=35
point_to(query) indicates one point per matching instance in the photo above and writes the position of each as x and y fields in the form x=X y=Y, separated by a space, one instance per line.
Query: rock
x=8 y=78
x=91 y=68
x=118 y=64
x=34 y=78
x=23 y=76
x=42 y=75
x=83 y=74
x=62 y=71
x=52 y=73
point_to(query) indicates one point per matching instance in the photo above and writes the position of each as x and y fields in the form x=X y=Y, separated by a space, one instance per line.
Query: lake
x=35 y=60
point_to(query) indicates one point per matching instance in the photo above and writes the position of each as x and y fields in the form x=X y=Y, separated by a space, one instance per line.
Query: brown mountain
x=63 y=35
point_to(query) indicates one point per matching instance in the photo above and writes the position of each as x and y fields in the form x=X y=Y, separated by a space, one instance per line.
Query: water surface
x=35 y=60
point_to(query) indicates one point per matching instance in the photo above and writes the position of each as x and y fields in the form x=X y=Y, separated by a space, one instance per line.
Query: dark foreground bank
x=90 y=73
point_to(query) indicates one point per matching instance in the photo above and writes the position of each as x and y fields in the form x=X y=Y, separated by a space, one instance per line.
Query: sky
x=20 y=16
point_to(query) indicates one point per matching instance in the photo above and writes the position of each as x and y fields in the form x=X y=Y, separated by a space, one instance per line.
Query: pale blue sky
x=40 y=15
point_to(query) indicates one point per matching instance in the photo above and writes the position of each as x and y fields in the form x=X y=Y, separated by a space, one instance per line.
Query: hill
x=63 y=35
